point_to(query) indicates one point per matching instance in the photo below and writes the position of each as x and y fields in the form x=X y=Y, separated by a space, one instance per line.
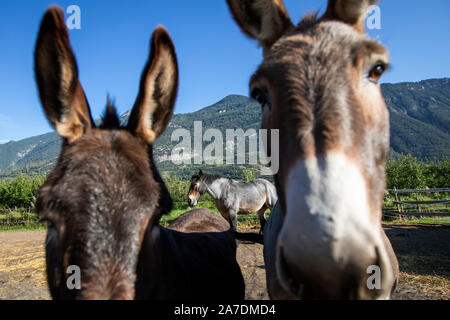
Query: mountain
x=38 y=155
x=35 y=155
x=420 y=125
x=420 y=117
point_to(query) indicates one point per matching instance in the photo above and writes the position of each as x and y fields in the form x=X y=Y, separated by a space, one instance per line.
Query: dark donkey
x=234 y=197
x=318 y=84
x=104 y=199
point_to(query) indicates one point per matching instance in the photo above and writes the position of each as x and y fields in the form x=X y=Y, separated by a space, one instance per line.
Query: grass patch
x=428 y=221
x=22 y=228
x=23 y=220
x=19 y=220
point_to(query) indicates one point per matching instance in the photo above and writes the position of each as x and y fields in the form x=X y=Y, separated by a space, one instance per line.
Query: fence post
x=418 y=205
x=396 y=199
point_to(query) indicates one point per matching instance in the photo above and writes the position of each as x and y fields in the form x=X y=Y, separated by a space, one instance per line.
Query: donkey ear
x=155 y=102
x=200 y=173
x=60 y=91
x=263 y=20
x=352 y=12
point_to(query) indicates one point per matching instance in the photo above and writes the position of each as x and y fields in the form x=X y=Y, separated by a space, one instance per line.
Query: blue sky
x=215 y=58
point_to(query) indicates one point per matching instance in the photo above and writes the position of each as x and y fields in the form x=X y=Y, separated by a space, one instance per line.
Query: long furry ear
x=56 y=71
x=155 y=102
x=352 y=12
x=263 y=20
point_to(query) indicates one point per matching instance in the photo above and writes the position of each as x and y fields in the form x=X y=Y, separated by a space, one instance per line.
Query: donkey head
x=318 y=84
x=105 y=190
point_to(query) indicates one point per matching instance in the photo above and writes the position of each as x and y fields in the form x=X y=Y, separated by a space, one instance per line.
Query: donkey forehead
x=317 y=48
x=99 y=145
x=115 y=156
x=102 y=170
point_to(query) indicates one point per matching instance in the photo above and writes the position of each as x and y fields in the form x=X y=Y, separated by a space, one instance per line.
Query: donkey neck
x=155 y=266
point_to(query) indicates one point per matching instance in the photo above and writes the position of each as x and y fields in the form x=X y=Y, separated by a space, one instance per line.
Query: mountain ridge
x=419 y=112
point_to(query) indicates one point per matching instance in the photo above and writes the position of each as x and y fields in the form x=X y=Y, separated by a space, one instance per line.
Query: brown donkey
x=104 y=198
x=318 y=84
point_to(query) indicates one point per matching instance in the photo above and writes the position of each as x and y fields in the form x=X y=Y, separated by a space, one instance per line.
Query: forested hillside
x=420 y=126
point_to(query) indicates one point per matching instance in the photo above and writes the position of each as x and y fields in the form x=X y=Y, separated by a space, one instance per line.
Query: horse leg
x=232 y=219
x=262 y=218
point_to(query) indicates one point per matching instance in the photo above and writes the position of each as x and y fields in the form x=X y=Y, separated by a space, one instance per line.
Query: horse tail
x=271 y=194
x=249 y=236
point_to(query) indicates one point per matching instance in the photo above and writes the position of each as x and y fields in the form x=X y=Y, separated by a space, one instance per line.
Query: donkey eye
x=262 y=97
x=50 y=224
x=377 y=71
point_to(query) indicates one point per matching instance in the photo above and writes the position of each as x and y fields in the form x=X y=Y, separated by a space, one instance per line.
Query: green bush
x=438 y=174
x=20 y=218
x=248 y=174
x=407 y=172
x=178 y=188
x=19 y=192
x=403 y=172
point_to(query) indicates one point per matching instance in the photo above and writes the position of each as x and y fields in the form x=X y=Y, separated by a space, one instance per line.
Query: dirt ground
x=423 y=253
x=22 y=265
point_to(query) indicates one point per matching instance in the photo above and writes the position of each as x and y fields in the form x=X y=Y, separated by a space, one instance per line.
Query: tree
x=248 y=175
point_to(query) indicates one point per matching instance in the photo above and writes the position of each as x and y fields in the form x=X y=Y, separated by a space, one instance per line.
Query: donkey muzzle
x=330 y=245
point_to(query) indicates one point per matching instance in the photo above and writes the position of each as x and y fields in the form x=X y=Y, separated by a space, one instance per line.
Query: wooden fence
x=431 y=205
x=406 y=204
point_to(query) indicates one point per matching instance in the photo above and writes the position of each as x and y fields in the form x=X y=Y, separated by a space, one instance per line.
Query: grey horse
x=234 y=197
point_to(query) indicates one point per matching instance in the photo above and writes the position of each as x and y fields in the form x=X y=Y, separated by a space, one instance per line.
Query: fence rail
x=427 y=202
x=436 y=210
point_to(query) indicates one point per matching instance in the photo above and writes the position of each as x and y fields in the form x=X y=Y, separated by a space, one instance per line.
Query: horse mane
x=210 y=178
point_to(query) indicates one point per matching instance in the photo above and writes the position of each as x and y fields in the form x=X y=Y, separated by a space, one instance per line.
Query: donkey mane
x=110 y=118
x=307 y=21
